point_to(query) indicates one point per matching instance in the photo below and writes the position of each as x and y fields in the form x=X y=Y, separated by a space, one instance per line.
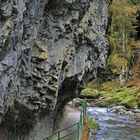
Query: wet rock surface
x=48 y=51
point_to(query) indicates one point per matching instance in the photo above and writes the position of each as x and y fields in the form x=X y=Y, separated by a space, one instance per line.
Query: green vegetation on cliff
x=122 y=33
x=123 y=23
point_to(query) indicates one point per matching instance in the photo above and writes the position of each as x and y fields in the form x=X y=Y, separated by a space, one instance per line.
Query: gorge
x=49 y=50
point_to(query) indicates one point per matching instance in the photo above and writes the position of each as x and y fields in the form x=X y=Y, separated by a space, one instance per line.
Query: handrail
x=68 y=127
x=58 y=133
x=69 y=134
x=61 y=131
x=14 y=123
x=79 y=128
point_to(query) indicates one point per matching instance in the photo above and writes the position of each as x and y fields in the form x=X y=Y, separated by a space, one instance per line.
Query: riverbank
x=118 y=109
x=110 y=94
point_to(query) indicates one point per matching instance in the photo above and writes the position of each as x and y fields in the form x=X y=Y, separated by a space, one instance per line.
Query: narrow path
x=71 y=116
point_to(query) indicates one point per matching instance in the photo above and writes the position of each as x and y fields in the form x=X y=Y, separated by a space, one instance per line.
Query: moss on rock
x=111 y=93
x=130 y=102
x=109 y=85
x=90 y=92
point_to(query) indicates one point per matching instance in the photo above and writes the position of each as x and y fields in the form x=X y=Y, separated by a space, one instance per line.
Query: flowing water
x=114 y=126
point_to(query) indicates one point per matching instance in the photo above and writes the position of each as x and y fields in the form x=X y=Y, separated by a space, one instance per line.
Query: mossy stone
x=130 y=102
x=91 y=92
x=109 y=101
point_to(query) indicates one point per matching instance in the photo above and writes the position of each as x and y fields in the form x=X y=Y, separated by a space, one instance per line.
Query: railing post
x=81 y=120
x=73 y=103
x=59 y=135
x=14 y=124
x=14 y=127
x=85 y=106
x=79 y=126
x=52 y=133
x=78 y=136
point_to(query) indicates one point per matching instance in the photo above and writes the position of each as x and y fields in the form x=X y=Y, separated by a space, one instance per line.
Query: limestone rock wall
x=49 y=50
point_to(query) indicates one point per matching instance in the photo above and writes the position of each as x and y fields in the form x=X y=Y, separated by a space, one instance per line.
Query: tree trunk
x=123 y=39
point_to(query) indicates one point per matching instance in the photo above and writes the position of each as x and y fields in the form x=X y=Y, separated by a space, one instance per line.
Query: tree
x=123 y=21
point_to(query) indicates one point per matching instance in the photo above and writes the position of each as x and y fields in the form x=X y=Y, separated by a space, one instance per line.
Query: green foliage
x=111 y=93
x=123 y=21
x=94 y=126
x=116 y=61
x=109 y=86
x=120 y=96
x=93 y=85
x=121 y=33
x=129 y=102
x=114 y=97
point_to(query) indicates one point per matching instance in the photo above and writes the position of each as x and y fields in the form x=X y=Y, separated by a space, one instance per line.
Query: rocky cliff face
x=134 y=68
x=48 y=51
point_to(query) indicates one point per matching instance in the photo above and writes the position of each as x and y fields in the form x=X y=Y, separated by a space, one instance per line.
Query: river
x=114 y=126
